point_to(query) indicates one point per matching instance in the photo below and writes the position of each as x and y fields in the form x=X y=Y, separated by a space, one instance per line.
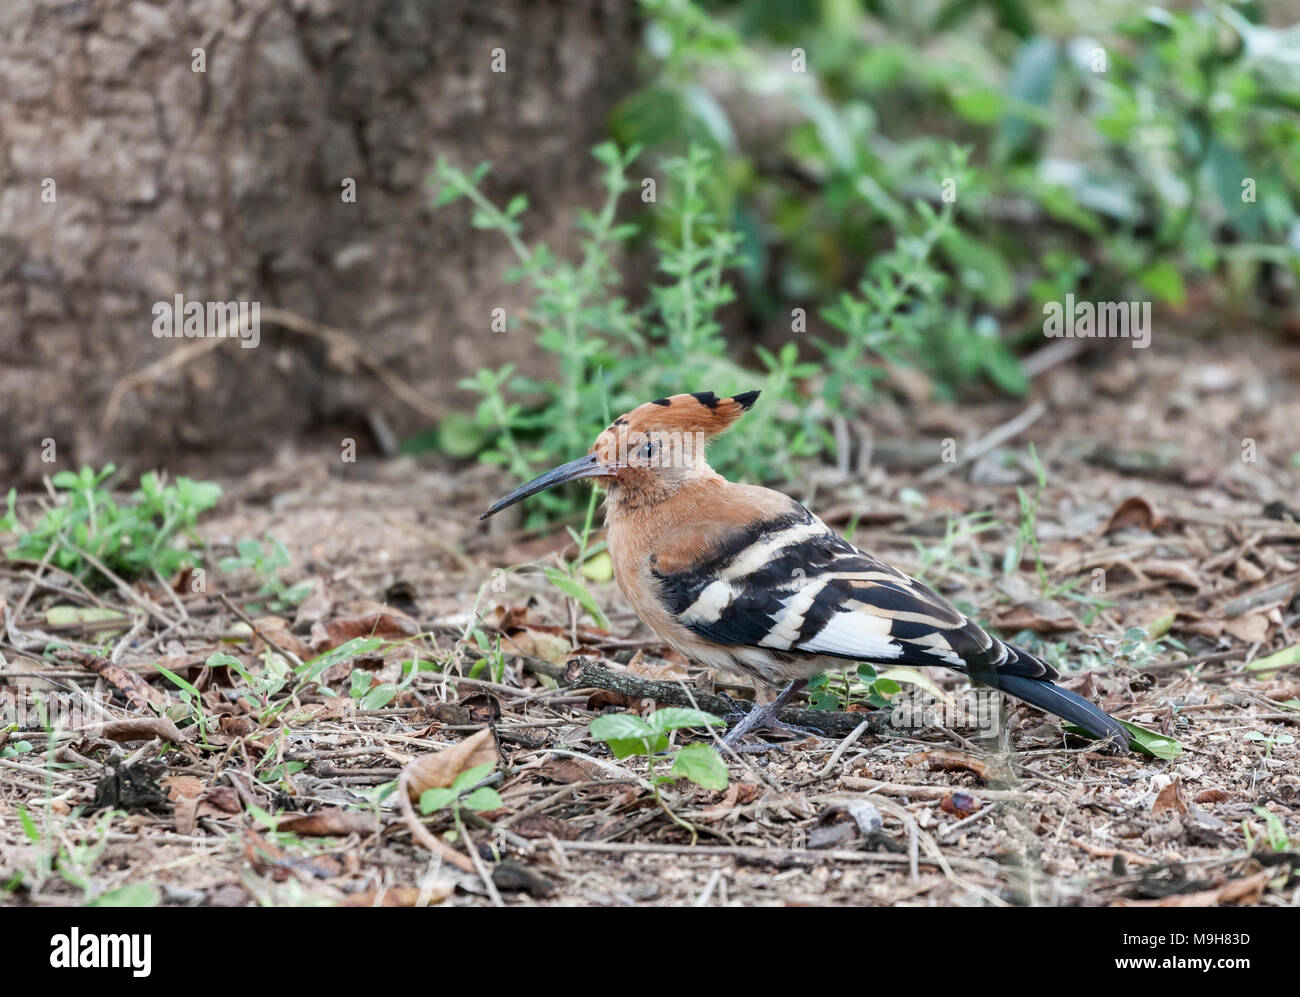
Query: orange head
x=650 y=450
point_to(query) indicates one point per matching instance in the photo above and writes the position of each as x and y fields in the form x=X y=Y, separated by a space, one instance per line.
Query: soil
x=1170 y=483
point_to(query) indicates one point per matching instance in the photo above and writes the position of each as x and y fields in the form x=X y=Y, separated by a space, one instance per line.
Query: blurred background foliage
x=802 y=151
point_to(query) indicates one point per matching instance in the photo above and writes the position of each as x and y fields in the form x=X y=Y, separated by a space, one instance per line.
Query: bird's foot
x=764 y=718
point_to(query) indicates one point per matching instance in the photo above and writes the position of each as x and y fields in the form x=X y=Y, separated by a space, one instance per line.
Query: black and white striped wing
x=792 y=585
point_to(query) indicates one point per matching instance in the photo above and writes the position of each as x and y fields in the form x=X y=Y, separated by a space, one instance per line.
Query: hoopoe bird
x=745 y=579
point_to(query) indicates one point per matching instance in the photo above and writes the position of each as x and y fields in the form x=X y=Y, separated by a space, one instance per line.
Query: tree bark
x=128 y=177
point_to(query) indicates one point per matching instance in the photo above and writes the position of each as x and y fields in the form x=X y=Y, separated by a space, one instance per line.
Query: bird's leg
x=764 y=717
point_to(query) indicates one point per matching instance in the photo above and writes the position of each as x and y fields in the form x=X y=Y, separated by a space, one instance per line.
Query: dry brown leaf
x=276 y=629
x=1213 y=796
x=567 y=770
x=1250 y=629
x=1039 y=615
x=222 y=800
x=185 y=815
x=1247 y=571
x=1245 y=890
x=330 y=708
x=668 y=671
x=738 y=794
x=236 y=726
x=1180 y=572
x=313 y=609
x=401 y=896
x=542 y=826
x=139 y=693
x=439 y=769
x=537 y=643
x=366 y=619
x=1196 y=623
x=183 y=787
x=143 y=729
x=950 y=761
x=1134 y=511
x=186 y=793
x=328 y=823
x=723 y=807
x=1170 y=798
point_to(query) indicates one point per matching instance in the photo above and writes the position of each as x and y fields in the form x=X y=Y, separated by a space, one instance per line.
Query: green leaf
x=176 y=680
x=599 y=567
x=627 y=735
x=82 y=614
x=578 y=591
x=483 y=798
x=1148 y=742
x=823 y=700
x=379 y=697
x=298 y=593
x=29 y=825
x=911 y=676
x=701 y=764
x=353 y=648
x=358 y=683
x=469 y=777
x=436 y=799
x=220 y=659
x=620 y=726
x=1278 y=659
x=130 y=895
x=676 y=718
x=1030 y=84
x=1164 y=281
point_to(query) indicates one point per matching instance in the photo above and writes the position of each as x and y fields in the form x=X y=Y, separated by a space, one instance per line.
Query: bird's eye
x=647 y=451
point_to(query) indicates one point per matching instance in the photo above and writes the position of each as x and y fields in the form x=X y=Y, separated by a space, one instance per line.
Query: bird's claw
x=762 y=718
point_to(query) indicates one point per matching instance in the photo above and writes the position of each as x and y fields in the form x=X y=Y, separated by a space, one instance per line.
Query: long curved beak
x=584 y=467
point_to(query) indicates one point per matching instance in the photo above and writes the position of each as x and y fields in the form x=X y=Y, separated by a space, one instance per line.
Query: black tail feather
x=1064 y=704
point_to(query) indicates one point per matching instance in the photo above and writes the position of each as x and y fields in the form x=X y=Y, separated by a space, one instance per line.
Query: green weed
x=85 y=528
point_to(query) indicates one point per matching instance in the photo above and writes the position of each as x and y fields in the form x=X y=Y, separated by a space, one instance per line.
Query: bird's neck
x=651 y=495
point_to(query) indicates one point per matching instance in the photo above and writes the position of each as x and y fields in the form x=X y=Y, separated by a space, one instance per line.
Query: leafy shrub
x=130 y=540
x=612 y=355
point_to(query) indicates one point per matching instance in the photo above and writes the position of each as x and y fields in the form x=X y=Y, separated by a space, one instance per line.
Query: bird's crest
x=701 y=415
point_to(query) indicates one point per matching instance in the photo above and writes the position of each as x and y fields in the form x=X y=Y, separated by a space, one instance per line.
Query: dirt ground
x=1170 y=503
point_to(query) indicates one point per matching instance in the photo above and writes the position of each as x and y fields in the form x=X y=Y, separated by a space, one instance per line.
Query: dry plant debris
x=193 y=781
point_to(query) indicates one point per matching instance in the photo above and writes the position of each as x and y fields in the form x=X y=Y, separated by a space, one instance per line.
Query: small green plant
x=461 y=793
x=936 y=561
x=191 y=699
x=627 y=735
x=570 y=580
x=492 y=658
x=1268 y=741
x=262 y=690
x=375 y=697
x=267 y=560
x=1274 y=832
x=1135 y=647
x=611 y=356
x=86 y=528
x=59 y=849
x=841 y=690
x=11 y=748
